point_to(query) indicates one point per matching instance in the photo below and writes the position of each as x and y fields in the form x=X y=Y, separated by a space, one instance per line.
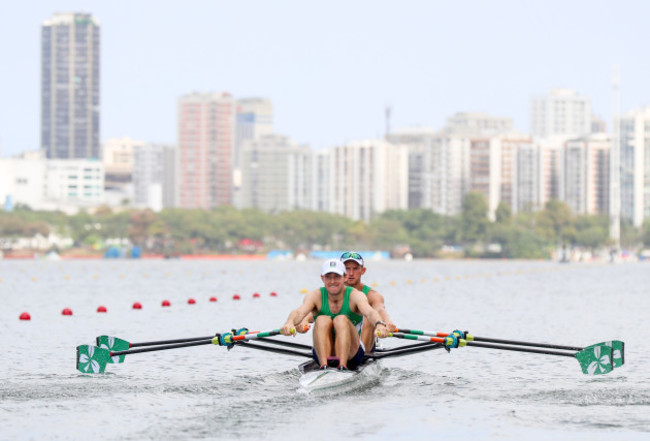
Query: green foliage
x=554 y=222
x=223 y=230
x=503 y=213
x=645 y=234
x=474 y=219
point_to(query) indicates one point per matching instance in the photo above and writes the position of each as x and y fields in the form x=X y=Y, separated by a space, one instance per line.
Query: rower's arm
x=376 y=300
x=359 y=300
x=299 y=314
x=304 y=325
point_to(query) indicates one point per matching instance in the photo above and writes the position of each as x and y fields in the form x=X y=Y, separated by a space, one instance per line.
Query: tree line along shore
x=227 y=230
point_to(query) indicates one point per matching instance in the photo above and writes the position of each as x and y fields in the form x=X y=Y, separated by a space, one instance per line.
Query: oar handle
x=443 y=340
x=229 y=339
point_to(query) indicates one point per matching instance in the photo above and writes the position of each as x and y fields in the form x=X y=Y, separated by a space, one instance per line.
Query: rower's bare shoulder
x=375 y=296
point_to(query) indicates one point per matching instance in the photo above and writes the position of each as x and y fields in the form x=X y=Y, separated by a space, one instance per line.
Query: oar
x=93 y=360
x=618 y=347
x=594 y=360
x=118 y=344
x=227 y=339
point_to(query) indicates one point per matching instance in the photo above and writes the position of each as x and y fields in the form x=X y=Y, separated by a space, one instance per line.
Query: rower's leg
x=346 y=343
x=368 y=336
x=322 y=335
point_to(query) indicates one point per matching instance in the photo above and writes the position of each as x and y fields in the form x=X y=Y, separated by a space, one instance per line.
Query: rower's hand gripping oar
x=229 y=339
x=451 y=340
x=597 y=359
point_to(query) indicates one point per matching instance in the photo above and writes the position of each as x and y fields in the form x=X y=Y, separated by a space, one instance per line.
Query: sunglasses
x=348 y=256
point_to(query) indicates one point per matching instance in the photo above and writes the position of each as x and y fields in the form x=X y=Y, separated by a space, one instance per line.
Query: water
x=207 y=392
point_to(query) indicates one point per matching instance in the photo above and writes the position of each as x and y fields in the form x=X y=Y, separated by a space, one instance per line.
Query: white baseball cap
x=332 y=266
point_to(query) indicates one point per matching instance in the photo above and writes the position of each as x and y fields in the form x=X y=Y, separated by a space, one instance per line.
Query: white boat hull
x=331 y=379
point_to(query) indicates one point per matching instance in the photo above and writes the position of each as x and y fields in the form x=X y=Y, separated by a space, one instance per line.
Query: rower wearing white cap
x=338 y=311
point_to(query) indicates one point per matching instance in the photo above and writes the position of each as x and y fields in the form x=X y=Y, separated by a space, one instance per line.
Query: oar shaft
x=493 y=340
x=524 y=343
x=404 y=350
x=162 y=347
x=519 y=349
x=168 y=342
x=284 y=343
x=277 y=350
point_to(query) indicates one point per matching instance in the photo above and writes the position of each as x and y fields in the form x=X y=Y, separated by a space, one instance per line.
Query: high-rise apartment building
x=477 y=122
x=416 y=140
x=206 y=138
x=526 y=179
x=368 y=178
x=253 y=119
x=560 y=113
x=586 y=174
x=276 y=174
x=70 y=46
x=550 y=171
x=154 y=176
x=635 y=166
x=320 y=182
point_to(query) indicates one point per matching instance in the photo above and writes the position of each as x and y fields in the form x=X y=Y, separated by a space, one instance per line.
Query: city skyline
x=331 y=73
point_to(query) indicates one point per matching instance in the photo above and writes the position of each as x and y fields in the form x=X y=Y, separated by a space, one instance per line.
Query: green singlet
x=356 y=319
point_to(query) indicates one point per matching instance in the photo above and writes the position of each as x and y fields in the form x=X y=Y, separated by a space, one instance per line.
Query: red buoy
x=137 y=305
x=101 y=309
x=256 y=295
x=191 y=301
x=166 y=303
x=25 y=316
x=236 y=297
x=213 y=299
x=273 y=294
x=66 y=311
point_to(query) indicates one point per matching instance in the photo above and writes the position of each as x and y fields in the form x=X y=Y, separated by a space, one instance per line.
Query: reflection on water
x=208 y=392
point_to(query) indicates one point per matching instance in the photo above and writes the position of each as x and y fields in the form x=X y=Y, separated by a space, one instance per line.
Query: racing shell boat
x=314 y=379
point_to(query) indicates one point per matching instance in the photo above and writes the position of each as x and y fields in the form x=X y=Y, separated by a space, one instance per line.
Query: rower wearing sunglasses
x=354 y=269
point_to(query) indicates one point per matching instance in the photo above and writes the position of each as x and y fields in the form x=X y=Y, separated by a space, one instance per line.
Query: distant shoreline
x=35 y=256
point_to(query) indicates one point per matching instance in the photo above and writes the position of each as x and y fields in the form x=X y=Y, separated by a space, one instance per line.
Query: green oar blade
x=113 y=344
x=596 y=359
x=618 y=356
x=91 y=359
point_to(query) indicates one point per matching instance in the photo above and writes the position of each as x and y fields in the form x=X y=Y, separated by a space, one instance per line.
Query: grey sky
x=330 y=68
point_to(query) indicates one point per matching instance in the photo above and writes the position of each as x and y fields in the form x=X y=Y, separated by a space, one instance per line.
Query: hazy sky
x=330 y=68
